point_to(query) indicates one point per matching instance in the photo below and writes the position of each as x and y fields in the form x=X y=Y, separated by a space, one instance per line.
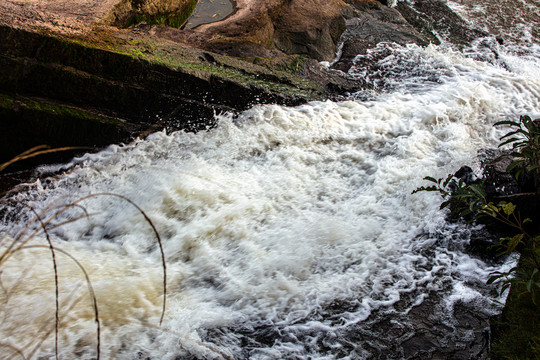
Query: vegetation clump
x=516 y=335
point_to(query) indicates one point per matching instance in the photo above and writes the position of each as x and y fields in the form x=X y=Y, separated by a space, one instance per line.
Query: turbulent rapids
x=288 y=233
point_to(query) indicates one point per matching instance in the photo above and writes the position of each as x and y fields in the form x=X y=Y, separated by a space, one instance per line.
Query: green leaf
x=526 y=120
x=466 y=212
x=424 y=188
x=444 y=204
x=513 y=165
x=448 y=179
x=478 y=190
x=490 y=209
x=527 y=152
x=505 y=286
x=508 y=208
x=507 y=122
x=495 y=277
x=509 y=141
x=514 y=242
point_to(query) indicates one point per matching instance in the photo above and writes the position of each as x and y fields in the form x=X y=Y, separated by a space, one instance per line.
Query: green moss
x=175 y=20
x=61 y=123
x=144 y=51
x=241 y=76
x=6 y=102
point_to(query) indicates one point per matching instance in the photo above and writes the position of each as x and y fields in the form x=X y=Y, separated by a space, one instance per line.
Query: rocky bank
x=91 y=73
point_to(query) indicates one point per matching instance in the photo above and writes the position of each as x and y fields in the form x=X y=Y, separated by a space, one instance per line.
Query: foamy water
x=283 y=228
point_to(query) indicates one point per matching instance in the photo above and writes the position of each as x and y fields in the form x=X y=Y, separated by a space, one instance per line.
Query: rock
x=497 y=181
x=437 y=22
x=369 y=24
x=137 y=85
x=67 y=17
x=270 y=28
x=309 y=27
x=336 y=83
x=168 y=12
x=466 y=174
x=146 y=77
x=483 y=243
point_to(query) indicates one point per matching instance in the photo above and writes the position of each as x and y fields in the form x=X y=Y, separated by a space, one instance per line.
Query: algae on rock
x=172 y=13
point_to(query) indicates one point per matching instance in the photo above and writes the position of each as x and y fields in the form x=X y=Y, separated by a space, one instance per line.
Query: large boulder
x=269 y=28
x=309 y=27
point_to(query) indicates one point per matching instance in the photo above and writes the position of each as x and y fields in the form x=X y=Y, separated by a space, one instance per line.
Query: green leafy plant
x=469 y=201
x=517 y=336
x=464 y=200
x=517 y=275
x=525 y=141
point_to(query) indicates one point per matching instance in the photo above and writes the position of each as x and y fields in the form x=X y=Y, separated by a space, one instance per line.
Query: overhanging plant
x=469 y=201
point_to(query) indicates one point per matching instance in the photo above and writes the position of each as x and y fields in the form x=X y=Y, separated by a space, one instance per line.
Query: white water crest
x=287 y=231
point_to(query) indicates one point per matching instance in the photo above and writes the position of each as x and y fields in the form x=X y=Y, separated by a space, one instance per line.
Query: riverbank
x=78 y=80
x=108 y=84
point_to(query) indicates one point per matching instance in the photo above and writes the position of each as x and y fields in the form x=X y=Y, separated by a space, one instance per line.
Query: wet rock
x=370 y=23
x=136 y=94
x=497 y=181
x=271 y=28
x=311 y=28
x=336 y=83
x=483 y=244
x=168 y=12
x=466 y=174
x=437 y=22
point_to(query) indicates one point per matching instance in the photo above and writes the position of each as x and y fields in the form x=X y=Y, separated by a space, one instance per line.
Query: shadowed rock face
x=437 y=22
x=308 y=27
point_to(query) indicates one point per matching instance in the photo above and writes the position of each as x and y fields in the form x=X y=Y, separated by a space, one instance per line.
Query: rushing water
x=289 y=233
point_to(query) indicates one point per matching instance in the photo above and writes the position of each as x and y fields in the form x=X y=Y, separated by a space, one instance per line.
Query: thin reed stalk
x=14 y=349
x=39 y=150
x=90 y=290
x=158 y=237
x=43 y=221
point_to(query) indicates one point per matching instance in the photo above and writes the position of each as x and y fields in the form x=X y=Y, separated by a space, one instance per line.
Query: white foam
x=273 y=217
